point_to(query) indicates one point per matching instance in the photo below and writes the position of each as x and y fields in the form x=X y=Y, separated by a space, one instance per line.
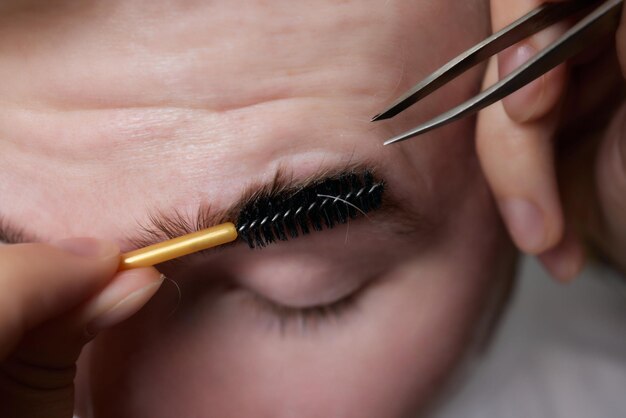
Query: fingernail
x=87 y=247
x=108 y=310
x=526 y=224
x=563 y=266
x=567 y=259
x=522 y=103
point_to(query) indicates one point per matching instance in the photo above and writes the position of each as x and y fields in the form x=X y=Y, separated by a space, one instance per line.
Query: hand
x=554 y=153
x=53 y=300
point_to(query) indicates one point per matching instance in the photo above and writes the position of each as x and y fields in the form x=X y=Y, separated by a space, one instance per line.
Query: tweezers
x=602 y=20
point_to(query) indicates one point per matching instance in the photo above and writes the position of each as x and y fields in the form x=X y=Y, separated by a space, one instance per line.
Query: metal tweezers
x=602 y=20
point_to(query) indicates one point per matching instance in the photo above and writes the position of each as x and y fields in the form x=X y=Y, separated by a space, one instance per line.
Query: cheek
x=385 y=357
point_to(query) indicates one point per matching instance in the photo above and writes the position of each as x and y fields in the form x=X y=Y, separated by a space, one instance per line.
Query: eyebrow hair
x=162 y=225
x=10 y=234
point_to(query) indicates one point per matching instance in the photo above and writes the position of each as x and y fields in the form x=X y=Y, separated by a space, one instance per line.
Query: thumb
x=52 y=300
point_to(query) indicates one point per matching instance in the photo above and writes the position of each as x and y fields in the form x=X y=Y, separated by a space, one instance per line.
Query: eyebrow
x=162 y=225
x=10 y=234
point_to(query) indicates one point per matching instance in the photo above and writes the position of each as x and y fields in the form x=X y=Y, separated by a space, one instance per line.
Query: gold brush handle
x=178 y=247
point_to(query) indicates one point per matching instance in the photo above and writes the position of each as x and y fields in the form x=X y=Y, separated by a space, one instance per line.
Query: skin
x=118 y=109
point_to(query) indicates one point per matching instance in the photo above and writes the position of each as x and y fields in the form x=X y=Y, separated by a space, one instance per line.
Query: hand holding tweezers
x=597 y=24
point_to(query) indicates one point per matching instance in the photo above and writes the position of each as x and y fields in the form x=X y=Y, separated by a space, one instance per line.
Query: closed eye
x=306 y=319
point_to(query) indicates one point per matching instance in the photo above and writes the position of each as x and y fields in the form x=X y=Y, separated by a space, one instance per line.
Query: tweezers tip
x=408 y=135
x=393 y=140
x=378 y=117
x=391 y=111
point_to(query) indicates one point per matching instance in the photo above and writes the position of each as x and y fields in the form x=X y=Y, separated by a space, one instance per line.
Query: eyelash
x=310 y=318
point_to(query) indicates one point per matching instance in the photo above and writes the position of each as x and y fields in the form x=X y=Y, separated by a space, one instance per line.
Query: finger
x=517 y=160
x=538 y=98
x=39 y=282
x=128 y=292
x=37 y=378
x=57 y=343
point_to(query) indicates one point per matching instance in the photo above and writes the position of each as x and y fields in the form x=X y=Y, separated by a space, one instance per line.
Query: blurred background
x=560 y=352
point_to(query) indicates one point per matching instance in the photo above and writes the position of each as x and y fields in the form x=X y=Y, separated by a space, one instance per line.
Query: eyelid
x=308 y=318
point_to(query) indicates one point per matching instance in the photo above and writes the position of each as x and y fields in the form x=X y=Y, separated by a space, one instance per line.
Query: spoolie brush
x=321 y=205
x=272 y=217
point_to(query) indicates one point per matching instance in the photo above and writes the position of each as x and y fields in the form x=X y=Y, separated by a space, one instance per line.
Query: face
x=114 y=111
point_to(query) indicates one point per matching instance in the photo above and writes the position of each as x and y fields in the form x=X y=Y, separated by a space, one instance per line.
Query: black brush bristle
x=325 y=204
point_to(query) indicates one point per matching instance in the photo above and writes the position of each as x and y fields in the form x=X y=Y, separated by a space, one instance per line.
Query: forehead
x=111 y=108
